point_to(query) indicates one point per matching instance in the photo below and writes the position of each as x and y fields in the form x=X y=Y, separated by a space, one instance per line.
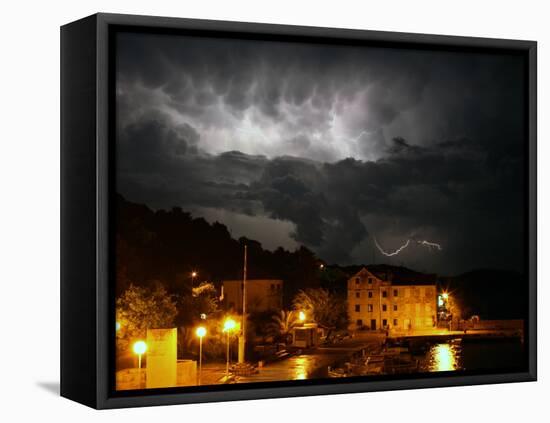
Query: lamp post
x=242 y=337
x=140 y=347
x=228 y=326
x=201 y=331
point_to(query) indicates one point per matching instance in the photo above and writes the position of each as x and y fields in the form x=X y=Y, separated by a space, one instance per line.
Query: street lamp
x=445 y=295
x=140 y=347
x=117 y=326
x=193 y=276
x=228 y=326
x=302 y=316
x=201 y=331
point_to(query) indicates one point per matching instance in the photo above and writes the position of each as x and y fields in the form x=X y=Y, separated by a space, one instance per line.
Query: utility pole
x=242 y=338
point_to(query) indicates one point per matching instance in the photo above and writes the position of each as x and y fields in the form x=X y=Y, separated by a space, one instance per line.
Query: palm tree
x=283 y=323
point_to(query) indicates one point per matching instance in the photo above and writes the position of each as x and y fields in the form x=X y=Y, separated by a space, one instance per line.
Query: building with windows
x=261 y=295
x=397 y=299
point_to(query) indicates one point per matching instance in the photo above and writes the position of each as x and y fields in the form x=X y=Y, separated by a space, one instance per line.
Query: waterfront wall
x=496 y=325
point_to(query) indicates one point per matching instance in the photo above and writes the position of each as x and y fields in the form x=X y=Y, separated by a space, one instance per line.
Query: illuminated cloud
x=333 y=145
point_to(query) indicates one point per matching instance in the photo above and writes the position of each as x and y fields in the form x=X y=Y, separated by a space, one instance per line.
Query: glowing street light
x=321 y=266
x=200 y=332
x=117 y=326
x=302 y=316
x=445 y=295
x=228 y=326
x=140 y=347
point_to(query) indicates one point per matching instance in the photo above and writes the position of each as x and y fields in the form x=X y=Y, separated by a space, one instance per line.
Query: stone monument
x=162 y=351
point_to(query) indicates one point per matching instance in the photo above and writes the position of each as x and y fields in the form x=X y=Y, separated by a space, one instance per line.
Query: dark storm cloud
x=344 y=143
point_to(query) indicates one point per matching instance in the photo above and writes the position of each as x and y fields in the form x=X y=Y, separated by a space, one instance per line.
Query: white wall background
x=29 y=239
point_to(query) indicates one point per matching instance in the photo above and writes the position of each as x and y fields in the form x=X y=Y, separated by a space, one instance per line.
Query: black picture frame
x=87 y=163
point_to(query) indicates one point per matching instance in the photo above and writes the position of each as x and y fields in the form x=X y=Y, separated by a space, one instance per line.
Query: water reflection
x=301 y=366
x=444 y=357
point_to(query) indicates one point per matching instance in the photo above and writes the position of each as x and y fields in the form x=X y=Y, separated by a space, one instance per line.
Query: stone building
x=383 y=299
x=262 y=295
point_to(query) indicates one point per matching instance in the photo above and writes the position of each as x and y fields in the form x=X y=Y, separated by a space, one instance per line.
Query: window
x=384 y=307
x=359 y=322
x=357 y=281
x=384 y=322
x=395 y=292
x=384 y=294
x=369 y=308
x=370 y=281
x=395 y=322
x=370 y=294
x=357 y=294
x=357 y=307
x=395 y=307
x=272 y=287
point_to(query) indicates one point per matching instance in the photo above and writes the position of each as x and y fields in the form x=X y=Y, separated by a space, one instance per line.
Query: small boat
x=338 y=372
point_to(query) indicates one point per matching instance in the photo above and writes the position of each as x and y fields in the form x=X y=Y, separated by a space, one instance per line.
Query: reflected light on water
x=301 y=364
x=443 y=357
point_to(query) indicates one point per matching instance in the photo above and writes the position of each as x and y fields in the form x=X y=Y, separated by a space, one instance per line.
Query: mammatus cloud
x=341 y=143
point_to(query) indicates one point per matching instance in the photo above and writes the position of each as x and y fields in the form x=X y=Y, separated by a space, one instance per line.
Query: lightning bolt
x=430 y=244
x=394 y=253
x=424 y=243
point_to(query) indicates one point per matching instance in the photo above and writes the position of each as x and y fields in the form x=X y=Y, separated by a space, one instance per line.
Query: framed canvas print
x=255 y=211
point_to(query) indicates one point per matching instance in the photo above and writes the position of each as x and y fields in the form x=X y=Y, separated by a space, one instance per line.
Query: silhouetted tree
x=326 y=309
x=139 y=309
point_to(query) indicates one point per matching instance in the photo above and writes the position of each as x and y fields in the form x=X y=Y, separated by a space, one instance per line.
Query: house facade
x=261 y=294
x=387 y=300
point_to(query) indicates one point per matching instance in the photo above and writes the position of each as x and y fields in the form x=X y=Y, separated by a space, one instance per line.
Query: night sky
x=329 y=146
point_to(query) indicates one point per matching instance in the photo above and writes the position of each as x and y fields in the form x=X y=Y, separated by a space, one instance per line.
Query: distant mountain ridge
x=167 y=245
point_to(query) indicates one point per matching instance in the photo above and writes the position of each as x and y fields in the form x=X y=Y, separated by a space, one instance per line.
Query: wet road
x=304 y=366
